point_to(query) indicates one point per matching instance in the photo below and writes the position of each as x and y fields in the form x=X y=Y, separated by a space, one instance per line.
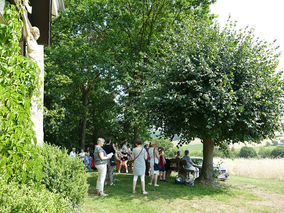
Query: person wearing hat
x=147 y=162
x=154 y=155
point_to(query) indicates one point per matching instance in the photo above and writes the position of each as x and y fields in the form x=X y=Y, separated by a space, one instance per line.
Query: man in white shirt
x=73 y=153
x=82 y=155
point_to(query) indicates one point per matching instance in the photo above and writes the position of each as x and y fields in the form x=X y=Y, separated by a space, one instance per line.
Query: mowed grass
x=238 y=194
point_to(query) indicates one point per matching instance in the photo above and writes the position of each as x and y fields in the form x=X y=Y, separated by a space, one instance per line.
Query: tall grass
x=260 y=168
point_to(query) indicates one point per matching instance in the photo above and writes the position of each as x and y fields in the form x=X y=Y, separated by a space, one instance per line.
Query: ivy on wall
x=19 y=79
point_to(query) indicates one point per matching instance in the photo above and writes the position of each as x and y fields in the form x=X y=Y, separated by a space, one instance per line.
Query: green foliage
x=168 y=145
x=18 y=83
x=264 y=152
x=217 y=85
x=64 y=175
x=107 y=39
x=26 y=184
x=83 y=87
x=27 y=199
x=207 y=87
x=247 y=152
x=277 y=152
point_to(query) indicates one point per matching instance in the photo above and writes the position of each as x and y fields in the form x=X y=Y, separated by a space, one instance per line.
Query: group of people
x=141 y=156
x=84 y=156
x=147 y=160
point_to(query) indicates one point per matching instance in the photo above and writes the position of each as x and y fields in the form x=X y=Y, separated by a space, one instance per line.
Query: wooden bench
x=179 y=165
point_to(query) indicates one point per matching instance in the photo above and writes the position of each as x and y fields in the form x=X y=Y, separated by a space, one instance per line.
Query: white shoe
x=103 y=195
x=126 y=171
x=156 y=185
x=118 y=171
x=150 y=184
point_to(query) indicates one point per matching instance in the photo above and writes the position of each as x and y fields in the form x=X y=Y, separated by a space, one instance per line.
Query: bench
x=179 y=166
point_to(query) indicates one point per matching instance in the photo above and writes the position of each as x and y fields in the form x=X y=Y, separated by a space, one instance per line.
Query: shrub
x=277 y=152
x=218 y=153
x=224 y=152
x=64 y=175
x=264 y=152
x=247 y=152
x=168 y=145
x=26 y=199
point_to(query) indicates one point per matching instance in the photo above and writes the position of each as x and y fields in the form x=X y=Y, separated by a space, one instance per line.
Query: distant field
x=238 y=194
x=258 y=168
x=193 y=147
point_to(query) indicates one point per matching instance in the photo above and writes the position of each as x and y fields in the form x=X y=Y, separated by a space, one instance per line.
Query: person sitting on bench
x=190 y=166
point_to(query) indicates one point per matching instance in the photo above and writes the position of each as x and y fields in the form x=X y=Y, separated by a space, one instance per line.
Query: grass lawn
x=238 y=194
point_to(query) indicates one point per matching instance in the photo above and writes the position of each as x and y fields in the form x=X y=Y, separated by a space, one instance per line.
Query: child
x=162 y=165
x=124 y=157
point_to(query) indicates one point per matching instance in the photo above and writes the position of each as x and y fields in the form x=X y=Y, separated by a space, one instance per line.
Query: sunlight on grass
x=232 y=196
x=264 y=184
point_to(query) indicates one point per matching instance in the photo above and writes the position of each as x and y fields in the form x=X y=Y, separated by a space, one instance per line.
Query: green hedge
x=64 y=175
x=16 y=198
x=264 y=152
x=277 y=152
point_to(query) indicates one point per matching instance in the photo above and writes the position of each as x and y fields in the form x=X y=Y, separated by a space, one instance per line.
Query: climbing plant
x=19 y=79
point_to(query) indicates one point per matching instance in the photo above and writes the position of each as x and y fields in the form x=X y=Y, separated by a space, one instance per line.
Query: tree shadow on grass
x=167 y=191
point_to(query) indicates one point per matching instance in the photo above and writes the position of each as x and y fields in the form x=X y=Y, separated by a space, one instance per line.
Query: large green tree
x=217 y=85
x=136 y=26
x=107 y=40
x=79 y=72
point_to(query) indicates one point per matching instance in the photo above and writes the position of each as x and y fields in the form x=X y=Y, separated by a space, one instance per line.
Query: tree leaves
x=217 y=84
x=18 y=83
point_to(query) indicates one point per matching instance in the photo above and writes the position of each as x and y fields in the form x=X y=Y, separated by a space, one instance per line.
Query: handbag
x=157 y=166
x=112 y=161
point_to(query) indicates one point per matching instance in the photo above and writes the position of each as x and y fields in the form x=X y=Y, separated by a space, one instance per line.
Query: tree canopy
x=104 y=43
x=218 y=85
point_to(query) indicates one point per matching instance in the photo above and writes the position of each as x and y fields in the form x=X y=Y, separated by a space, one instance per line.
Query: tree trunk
x=136 y=132
x=84 y=121
x=83 y=131
x=207 y=173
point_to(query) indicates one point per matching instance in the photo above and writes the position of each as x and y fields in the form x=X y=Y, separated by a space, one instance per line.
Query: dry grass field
x=259 y=168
